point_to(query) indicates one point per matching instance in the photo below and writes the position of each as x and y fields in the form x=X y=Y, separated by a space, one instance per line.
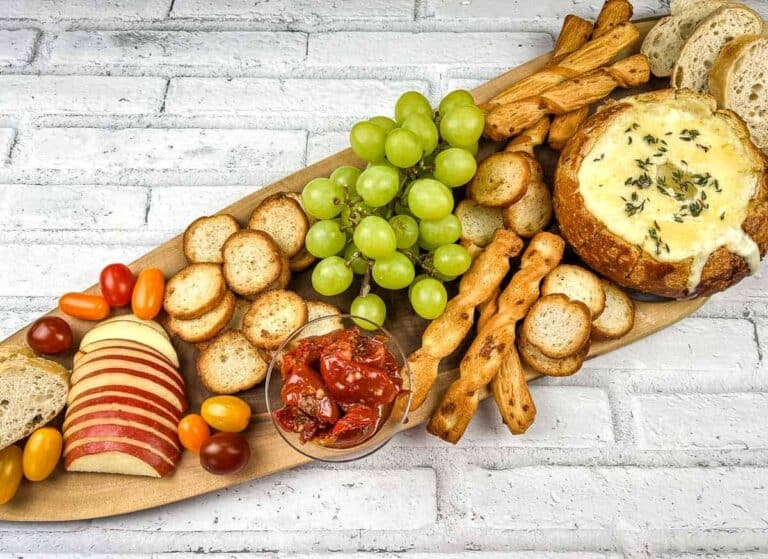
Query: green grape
x=451 y=260
x=346 y=176
x=409 y=103
x=462 y=126
x=442 y=277
x=455 y=166
x=430 y=199
x=437 y=232
x=406 y=230
x=383 y=122
x=393 y=272
x=428 y=298
x=425 y=128
x=331 y=276
x=403 y=148
x=367 y=141
x=370 y=307
x=456 y=98
x=375 y=237
x=325 y=238
x=472 y=148
x=416 y=280
x=354 y=258
x=322 y=198
x=378 y=185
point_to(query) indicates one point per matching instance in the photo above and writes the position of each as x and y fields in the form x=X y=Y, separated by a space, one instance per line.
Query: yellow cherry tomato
x=10 y=473
x=193 y=432
x=42 y=453
x=226 y=413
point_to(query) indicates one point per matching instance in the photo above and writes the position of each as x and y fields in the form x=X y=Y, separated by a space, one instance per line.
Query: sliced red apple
x=129 y=433
x=120 y=403
x=125 y=377
x=148 y=366
x=114 y=457
x=133 y=318
x=120 y=393
x=121 y=417
x=134 y=331
x=127 y=344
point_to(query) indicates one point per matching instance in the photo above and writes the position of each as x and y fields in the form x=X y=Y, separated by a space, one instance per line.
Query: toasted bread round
x=320 y=309
x=301 y=261
x=557 y=326
x=622 y=208
x=531 y=213
x=501 y=179
x=297 y=196
x=207 y=326
x=545 y=365
x=284 y=219
x=577 y=284
x=478 y=222
x=618 y=318
x=194 y=291
x=273 y=317
x=205 y=236
x=230 y=364
x=252 y=262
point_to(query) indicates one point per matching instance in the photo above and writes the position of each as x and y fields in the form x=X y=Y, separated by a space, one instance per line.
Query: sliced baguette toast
x=531 y=213
x=558 y=326
x=478 y=223
x=252 y=262
x=194 y=291
x=206 y=326
x=284 y=219
x=549 y=366
x=230 y=364
x=205 y=236
x=320 y=309
x=501 y=179
x=618 y=317
x=578 y=284
x=273 y=317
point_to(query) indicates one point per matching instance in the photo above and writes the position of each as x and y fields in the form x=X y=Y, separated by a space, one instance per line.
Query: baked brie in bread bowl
x=665 y=194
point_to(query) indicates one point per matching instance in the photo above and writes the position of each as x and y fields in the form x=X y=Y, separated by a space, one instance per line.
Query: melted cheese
x=674 y=181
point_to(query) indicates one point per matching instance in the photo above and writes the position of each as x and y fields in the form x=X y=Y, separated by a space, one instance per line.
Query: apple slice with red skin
x=120 y=403
x=114 y=457
x=122 y=392
x=121 y=417
x=85 y=370
x=129 y=354
x=130 y=344
x=129 y=433
x=128 y=378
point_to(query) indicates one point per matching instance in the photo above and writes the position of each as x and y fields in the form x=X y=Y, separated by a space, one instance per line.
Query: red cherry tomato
x=148 y=294
x=49 y=335
x=225 y=453
x=117 y=281
x=193 y=432
x=85 y=306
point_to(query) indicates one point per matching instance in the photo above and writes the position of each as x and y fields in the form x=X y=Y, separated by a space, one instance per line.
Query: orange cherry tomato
x=85 y=306
x=41 y=453
x=148 y=294
x=116 y=282
x=226 y=413
x=193 y=432
x=10 y=472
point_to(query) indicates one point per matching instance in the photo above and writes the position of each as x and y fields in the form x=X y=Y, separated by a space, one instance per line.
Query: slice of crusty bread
x=194 y=291
x=273 y=317
x=205 y=236
x=206 y=326
x=663 y=43
x=252 y=261
x=34 y=391
x=230 y=364
x=301 y=261
x=320 y=309
x=545 y=365
x=284 y=219
x=501 y=179
x=578 y=284
x=531 y=213
x=703 y=46
x=478 y=222
x=739 y=81
x=13 y=352
x=617 y=318
x=558 y=326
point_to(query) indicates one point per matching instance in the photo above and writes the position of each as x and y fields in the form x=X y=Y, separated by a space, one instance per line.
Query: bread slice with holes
x=705 y=43
x=205 y=236
x=252 y=262
x=206 y=326
x=541 y=363
x=34 y=391
x=194 y=291
x=531 y=213
x=273 y=317
x=618 y=317
x=739 y=81
x=558 y=326
x=230 y=364
x=478 y=222
x=284 y=219
x=578 y=284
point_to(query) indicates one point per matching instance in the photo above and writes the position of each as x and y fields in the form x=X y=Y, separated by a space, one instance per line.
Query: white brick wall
x=122 y=120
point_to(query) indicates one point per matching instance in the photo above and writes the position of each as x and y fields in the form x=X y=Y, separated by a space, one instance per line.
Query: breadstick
x=565 y=126
x=485 y=356
x=445 y=333
x=510 y=390
x=613 y=13
x=487 y=309
x=594 y=54
x=530 y=138
x=573 y=35
x=510 y=119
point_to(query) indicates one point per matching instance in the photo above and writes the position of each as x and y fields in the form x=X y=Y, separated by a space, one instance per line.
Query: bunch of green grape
x=395 y=217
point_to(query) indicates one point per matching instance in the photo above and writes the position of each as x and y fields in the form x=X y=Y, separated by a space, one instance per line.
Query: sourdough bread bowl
x=665 y=194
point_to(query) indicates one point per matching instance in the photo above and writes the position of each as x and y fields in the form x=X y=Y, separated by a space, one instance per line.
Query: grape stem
x=365 y=286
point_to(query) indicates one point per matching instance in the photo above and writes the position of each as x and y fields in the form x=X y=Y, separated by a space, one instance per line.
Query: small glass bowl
x=393 y=424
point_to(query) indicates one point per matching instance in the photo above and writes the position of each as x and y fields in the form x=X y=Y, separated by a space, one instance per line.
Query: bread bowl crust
x=627 y=264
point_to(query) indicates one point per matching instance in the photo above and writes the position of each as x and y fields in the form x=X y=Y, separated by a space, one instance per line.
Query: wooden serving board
x=73 y=496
